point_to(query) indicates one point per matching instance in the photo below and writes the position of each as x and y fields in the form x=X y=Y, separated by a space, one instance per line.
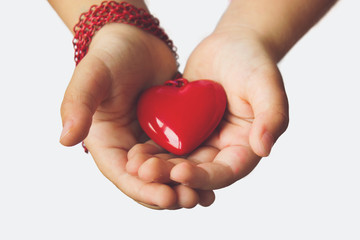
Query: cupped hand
x=257 y=114
x=100 y=106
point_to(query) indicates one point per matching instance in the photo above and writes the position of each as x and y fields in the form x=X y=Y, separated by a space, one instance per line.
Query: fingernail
x=66 y=129
x=267 y=142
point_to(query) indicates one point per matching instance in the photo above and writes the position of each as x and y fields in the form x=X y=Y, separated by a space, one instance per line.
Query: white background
x=307 y=189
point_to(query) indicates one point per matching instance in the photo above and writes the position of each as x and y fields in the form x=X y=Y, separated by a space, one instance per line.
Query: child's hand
x=100 y=102
x=257 y=114
x=100 y=105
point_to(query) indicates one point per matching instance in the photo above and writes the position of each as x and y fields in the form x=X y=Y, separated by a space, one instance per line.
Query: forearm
x=70 y=10
x=279 y=23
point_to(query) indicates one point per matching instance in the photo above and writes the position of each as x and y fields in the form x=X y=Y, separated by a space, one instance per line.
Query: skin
x=241 y=54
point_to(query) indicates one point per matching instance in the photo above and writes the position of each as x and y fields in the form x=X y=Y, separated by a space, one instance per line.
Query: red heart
x=180 y=115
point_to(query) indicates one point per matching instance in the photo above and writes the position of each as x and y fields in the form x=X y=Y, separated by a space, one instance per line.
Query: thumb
x=88 y=87
x=271 y=118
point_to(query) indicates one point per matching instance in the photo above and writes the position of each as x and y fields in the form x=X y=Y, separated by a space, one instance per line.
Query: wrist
x=250 y=37
x=280 y=24
x=108 y=12
x=135 y=41
x=70 y=10
x=125 y=31
x=255 y=28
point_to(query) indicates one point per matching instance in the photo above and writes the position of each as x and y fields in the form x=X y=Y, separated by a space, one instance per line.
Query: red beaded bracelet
x=114 y=12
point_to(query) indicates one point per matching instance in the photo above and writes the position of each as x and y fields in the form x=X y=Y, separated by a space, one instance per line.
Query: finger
x=154 y=207
x=231 y=164
x=88 y=87
x=111 y=162
x=203 y=154
x=140 y=153
x=187 y=197
x=156 y=170
x=206 y=197
x=270 y=106
x=156 y=194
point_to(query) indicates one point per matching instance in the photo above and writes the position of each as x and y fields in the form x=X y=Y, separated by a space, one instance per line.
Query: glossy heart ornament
x=180 y=115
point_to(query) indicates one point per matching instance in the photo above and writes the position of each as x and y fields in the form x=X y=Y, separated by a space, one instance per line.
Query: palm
x=241 y=66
